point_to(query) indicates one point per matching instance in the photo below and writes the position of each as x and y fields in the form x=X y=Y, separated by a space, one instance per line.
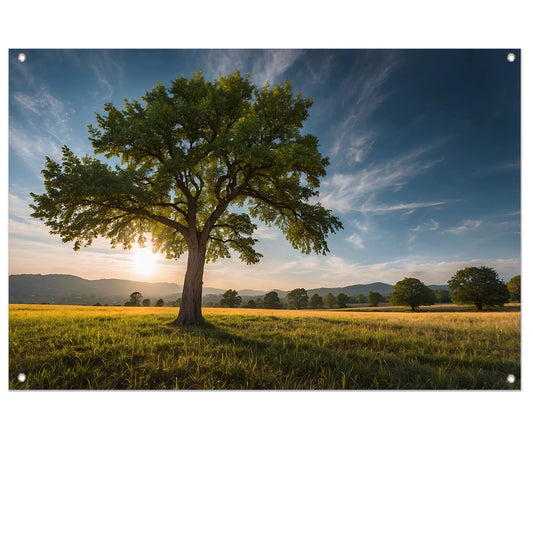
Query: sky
x=424 y=150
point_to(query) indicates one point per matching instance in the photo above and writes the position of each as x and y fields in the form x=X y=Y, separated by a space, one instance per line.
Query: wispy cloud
x=431 y=225
x=108 y=72
x=467 y=225
x=266 y=66
x=32 y=146
x=271 y=65
x=320 y=71
x=504 y=166
x=356 y=240
x=369 y=208
x=349 y=192
x=364 y=93
x=40 y=123
x=264 y=232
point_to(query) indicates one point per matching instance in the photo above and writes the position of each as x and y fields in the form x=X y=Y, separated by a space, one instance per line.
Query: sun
x=144 y=261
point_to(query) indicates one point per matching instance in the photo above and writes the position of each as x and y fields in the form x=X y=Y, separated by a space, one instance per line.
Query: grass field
x=66 y=347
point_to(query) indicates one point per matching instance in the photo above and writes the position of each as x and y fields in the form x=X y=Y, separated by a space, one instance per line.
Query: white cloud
x=348 y=192
x=264 y=232
x=356 y=240
x=266 y=66
x=467 y=225
x=363 y=92
x=374 y=209
x=431 y=225
x=271 y=66
x=32 y=146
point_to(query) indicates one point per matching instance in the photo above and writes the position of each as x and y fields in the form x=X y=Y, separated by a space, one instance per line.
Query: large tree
x=297 y=299
x=199 y=161
x=412 y=293
x=271 y=300
x=478 y=286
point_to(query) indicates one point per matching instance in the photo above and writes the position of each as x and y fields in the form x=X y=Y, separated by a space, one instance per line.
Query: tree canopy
x=271 y=300
x=374 y=298
x=479 y=286
x=199 y=162
x=230 y=299
x=342 y=299
x=297 y=299
x=412 y=293
x=316 y=301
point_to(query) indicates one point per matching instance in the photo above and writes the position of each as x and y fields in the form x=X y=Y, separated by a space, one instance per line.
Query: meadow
x=67 y=347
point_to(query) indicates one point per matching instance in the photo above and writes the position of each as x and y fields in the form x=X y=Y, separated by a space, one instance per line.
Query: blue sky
x=424 y=149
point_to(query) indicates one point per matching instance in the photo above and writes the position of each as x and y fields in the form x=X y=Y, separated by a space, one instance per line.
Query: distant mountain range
x=72 y=290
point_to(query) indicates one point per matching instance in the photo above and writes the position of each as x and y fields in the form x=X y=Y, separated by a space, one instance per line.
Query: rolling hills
x=74 y=290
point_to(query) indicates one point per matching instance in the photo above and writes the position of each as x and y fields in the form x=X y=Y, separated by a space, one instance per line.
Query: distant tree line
x=477 y=286
x=481 y=287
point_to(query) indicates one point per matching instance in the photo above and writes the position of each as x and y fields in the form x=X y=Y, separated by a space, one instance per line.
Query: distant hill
x=72 y=290
x=67 y=289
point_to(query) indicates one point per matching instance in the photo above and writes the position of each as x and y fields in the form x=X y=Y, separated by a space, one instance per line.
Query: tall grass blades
x=64 y=347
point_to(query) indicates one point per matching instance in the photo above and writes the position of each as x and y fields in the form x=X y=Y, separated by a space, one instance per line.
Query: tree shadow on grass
x=300 y=364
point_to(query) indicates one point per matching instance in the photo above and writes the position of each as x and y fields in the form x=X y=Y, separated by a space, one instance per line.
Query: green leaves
x=412 y=293
x=478 y=286
x=188 y=152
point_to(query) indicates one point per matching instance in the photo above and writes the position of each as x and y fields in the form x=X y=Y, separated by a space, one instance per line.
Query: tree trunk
x=191 y=299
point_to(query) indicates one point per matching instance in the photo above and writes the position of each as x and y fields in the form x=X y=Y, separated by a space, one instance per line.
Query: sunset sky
x=424 y=149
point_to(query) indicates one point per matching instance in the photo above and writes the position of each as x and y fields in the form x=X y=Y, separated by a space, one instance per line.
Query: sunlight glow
x=144 y=261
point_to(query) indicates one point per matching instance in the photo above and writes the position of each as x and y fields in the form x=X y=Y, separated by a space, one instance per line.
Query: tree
x=374 y=298
x=251 y=304
x=230 y=299
x=135 y=300
x=478 y=286
x=297 y=299
x=160 y=303
x=330 y=300
x=316 y=301
x=513 y=286
x=361 y=298
x=442 y=296
x=342 y=299
x=192 y=156
x=411 y=292
x=271 y=300
x=146 y=302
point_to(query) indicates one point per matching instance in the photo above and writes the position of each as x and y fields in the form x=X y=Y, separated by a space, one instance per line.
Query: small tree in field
x=413 y=293
x=479 y=286
x=160 y=303
x=271 y=300
x=342 y=299
x=198 y=159
x=135 y=300
x=146 y=302
x=297 y=299
x=316 y=301
x=374 y=298
x=513 y=286
x=330 y=300
x=230 y=299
